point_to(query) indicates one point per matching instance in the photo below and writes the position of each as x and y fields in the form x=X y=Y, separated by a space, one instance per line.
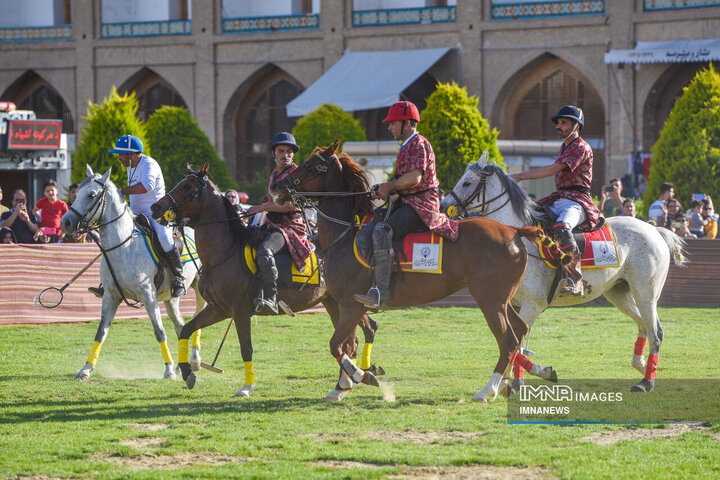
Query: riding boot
x=571 y=283
x=379 y=294
x=98 y=291
x=266 y=302
x=177 y=285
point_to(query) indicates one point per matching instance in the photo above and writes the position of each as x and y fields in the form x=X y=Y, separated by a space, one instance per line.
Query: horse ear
x=483 y=160
x=88 y=170
x=188 y=168
x=106 y=176
x=335 y=146
x=205 y=168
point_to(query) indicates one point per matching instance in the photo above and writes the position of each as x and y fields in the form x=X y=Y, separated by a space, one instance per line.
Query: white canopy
x=678 y=51
x=365 y=80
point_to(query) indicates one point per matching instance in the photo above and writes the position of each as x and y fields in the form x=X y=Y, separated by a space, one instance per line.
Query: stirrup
x=372 y=299
x=177 y=288
x=263 y=306
x=568 y=287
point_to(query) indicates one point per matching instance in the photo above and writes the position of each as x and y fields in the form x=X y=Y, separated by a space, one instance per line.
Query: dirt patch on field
x=148 y=427
x=168 y=462
x=672 y=430
x=341 y=464
x=142 y=443
x=472 y=472
x=423 y=438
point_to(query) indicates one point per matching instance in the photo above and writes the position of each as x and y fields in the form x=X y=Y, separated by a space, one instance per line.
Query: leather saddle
x=143 y=224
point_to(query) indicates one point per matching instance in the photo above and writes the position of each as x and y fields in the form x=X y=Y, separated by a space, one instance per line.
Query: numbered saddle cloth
x=189 y=251
x=288 y=273
x=598 y=249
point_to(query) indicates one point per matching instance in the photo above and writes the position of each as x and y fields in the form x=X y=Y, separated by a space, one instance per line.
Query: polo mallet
x=51 y=297
x=212 y=367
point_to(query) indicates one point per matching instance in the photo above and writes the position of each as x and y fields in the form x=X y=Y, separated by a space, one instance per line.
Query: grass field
x=127 y=422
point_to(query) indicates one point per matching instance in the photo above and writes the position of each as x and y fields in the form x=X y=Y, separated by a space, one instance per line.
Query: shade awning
x=365 y=80
x=678 y=51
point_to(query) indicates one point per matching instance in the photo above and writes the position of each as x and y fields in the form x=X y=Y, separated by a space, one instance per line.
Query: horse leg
x=207 y=316
x=529 y=312
x=369 y=327
x=195 y=359
x=242 y=326
x=172 y=307
x=621 y=297
x=109 y=307
x=153 y=311
x=648 y=310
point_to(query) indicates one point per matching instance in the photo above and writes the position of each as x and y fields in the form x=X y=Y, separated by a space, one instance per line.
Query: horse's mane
x=523 y=205
x=355 y=180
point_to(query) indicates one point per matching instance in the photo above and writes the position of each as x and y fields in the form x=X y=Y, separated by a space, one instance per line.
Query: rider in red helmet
x=416 y=201
x=571 y=202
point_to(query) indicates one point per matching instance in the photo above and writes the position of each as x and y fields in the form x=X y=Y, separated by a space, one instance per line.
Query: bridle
x=198 y=193
x=85 y=224
x=464 y=206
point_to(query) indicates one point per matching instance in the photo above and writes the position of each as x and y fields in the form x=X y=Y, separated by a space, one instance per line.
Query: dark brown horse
x=225 y=283
x=488 y=257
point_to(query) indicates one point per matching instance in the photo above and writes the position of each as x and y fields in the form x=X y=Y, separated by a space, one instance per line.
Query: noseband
x=85 y=224
x=198 y=193
x=480 y=190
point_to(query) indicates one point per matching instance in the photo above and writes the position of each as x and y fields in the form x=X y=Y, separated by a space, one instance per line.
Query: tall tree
x=687 y=153
x=457 y=131
x=323 y=126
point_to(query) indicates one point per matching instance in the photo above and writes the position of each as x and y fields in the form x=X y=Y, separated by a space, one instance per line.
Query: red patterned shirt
x=291 y=225
x=578 y=159
x=417 y=154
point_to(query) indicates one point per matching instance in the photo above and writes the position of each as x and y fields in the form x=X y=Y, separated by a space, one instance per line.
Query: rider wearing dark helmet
x=415 y=195
x=284 y=226
x=571 y=202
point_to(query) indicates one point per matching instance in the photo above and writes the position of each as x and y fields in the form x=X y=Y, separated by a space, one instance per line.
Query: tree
x=687 y=153
x=323 y=126
x=177 y=140
x=106 y=122
x=457 y=131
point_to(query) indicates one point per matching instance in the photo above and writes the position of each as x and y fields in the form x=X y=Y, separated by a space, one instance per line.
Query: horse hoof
x=505 y=389
x=185 y=370
x=169 y=372
x=516 y=384
x=369 y=379
x=190 y=381
x=552 y=376
x=646 y=385
x=335 y=396
x=376 y=370
x=195 y=360
x=82 y=376
x=245 y=391
x=480 y=397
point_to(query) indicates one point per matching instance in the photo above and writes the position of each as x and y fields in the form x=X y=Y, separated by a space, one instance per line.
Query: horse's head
x=465 y=196
x=183 y=200
x=310 y=176
x=88 y=208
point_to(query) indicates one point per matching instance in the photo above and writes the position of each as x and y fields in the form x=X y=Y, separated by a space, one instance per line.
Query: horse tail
x=676 y=246
x=533 y=234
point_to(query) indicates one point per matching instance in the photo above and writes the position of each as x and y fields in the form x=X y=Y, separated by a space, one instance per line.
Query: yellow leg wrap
x=183 y=350
x=196 y=339
x=365 y=357
x=166 y=352
x=249 y=373
x=94 y=352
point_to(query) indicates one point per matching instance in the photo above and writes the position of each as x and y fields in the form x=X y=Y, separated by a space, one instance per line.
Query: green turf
x=127 y=422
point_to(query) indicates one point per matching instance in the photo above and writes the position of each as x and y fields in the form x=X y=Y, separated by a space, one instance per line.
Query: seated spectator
x=72 y=193
x=682 y=227
x=233 y=197
x=7 y=235
x=628 y=209
x=3 y=208
x=673 y=210
x=612 y=206
x=658 y=210
x=711 y=227
x=24 y=224
x=697 y=222
x=50 y=209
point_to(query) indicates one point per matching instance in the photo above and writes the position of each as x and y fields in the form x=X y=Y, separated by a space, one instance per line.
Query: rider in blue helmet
x=284 y=227
x=146 y=186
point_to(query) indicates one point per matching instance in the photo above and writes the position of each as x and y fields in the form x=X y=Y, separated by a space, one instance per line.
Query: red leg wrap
x=651 y=367
x=518 y=372
x=522 y=362
x=640 y=346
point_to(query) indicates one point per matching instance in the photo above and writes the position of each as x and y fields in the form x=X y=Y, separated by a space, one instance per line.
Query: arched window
x=31 y=92
x=152 y=92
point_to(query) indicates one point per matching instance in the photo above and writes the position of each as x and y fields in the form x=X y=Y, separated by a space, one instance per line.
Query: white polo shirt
x=148 y=173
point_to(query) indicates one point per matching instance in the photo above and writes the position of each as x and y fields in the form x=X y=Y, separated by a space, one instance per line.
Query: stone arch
x=32 y=92
x=152 y=91
x=254 y=113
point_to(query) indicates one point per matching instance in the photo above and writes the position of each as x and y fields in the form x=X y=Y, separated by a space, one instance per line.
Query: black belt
x=418 y=193
x=576 y=188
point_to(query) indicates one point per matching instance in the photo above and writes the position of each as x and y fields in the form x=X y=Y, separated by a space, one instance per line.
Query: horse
x=488 y=257
x=226 y=281
x=127 y=269
x=633 y=287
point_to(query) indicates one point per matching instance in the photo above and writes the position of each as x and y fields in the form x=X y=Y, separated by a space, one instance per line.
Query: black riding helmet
x=572 y=113
x=284 y=138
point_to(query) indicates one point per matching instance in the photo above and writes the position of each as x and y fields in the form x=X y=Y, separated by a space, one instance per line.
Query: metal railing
x=36 y=34
x=145 y=29
x=273 y=23
x=557 y=8
x=363 y=18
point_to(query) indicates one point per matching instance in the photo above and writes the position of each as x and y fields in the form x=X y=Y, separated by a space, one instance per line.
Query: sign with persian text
x=34 y=134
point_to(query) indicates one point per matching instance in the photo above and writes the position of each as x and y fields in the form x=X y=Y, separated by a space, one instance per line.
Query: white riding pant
x=164 y=234
x=568 y=212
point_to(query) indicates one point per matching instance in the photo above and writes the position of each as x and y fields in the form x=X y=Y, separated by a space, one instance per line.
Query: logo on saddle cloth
x=309 y=275
x=421 y=252
x=598 y=249
x=189 y=251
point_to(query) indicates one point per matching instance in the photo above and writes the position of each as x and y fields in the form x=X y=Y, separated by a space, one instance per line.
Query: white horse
x=127 y=269
x=634 y=287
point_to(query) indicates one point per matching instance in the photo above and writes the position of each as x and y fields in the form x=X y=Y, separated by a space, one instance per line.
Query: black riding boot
x=177 y=286
x=266 y=302
x=379 y=294
x=571 y=283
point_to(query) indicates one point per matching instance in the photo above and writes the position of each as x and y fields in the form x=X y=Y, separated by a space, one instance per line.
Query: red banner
x=34 y=134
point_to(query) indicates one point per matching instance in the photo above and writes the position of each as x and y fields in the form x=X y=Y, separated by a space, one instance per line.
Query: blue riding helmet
x=284 y=138
x=128 y=144
x=571 y=112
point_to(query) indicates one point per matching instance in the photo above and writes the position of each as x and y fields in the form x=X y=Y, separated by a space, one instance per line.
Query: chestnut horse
x=488 y=257
x=225 y=283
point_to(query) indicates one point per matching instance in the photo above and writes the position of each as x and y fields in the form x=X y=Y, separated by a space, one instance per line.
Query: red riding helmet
x=402 y=111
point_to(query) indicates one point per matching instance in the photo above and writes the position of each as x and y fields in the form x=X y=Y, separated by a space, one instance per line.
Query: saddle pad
x=598 y=249
x=187 y=255
x=309 y=275
x=421 y=253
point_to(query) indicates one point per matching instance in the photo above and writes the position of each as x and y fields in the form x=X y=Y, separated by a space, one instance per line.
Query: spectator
x=50 y=209
x=697 y=222
x=3 y=208
x=24 y=224
x=628 y=209
x=658 y=211
x=682 y=227
x=674 y=208
x=711 y=227
x=614 y=205
x=7 y=235
x=72 y=193
x=233 y=197
x=243 y=199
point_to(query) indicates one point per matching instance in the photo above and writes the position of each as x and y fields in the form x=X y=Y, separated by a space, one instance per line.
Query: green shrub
x=687 y=153
x=106 y=122
x=457 y=131
x=257 y=188
x=177 y=140
x=323 y=126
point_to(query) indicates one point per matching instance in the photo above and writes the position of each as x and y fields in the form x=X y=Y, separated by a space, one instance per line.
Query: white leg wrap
x=491 y=389
x=344 y=382
x=638 y=362
x=356 y=374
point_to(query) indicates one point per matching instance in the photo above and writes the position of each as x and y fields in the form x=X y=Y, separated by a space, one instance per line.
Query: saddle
x=547 y=219
x=288 y=274
x=143 y=225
